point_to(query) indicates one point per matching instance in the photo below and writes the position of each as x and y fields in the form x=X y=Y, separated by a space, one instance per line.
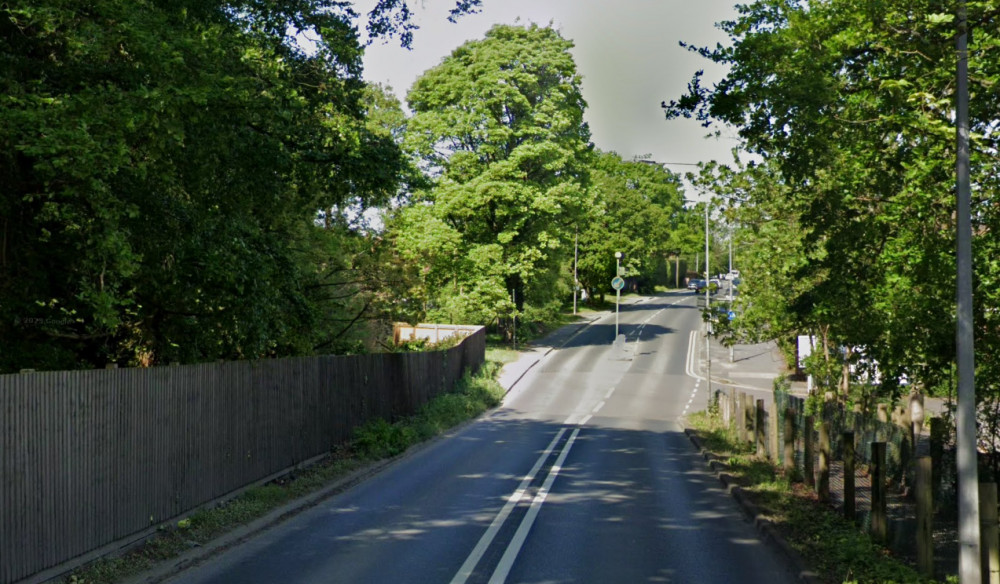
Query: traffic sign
x=618 y=283
x=732 y=315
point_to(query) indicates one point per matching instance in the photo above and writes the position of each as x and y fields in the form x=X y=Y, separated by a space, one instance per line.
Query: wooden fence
x=88 y=458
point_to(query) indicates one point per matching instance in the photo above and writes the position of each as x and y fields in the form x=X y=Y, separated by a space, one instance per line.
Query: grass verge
x=830 y=545
x=473 y=395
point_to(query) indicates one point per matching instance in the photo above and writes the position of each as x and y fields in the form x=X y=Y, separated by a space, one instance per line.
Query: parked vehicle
x=699 y=286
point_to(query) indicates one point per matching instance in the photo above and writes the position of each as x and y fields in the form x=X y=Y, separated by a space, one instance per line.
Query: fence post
x=902 y=420
x=748 y=418
x=925 y=516
x=938 y=434
x=774 y=449
x=989 y=538
x=759 y=429
x=789 y=453
x=739 y=416
x=807 y=448
x=916 y=418
x=823 y=486
x=850 y=503
x=732 y=407
x=880 y=522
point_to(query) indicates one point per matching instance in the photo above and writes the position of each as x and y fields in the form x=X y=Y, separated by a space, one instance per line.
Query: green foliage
x=828 y=543
x=500 y=124
x=162 y=169
x=844 y=227
x=634 y=210
x=474 y=395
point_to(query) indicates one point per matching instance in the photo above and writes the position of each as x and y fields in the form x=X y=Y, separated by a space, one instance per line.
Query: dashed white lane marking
x=571 y=419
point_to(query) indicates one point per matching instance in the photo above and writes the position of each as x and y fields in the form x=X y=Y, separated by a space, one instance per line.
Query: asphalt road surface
x=584 y=475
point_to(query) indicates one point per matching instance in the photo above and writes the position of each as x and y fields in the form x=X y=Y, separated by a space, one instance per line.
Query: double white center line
x=510 y=554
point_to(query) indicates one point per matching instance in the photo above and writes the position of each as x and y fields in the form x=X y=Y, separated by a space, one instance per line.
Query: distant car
x=699 y=286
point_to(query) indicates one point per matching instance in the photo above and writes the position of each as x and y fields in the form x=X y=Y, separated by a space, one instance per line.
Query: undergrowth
x=833 y=547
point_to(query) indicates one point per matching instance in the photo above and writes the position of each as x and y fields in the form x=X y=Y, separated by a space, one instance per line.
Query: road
x=583 y=475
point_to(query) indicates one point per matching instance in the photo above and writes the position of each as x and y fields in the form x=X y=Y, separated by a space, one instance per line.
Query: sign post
x=617 y=283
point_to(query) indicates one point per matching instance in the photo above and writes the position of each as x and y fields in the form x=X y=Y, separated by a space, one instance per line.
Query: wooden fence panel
x=88 y=458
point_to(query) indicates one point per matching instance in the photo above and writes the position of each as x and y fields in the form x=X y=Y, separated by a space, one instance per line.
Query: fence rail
x=88 y=458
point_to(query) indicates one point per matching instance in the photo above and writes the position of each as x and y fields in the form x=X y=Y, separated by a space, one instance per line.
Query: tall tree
x=849 y=105
x=499 y=124
x=634 y=211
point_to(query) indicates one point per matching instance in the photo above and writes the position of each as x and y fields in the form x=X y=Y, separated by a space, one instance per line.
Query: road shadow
x=604 y=334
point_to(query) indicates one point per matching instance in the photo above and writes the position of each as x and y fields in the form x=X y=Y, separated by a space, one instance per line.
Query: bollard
x=989 y=539
x=807 y=451
x=850 y=502
x=925 y=517
x=880 y=521
x=823 y=483
x=789 y=453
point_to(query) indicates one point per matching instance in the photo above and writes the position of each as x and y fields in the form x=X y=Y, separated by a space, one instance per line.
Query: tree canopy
x=499 y=124
x=849 y=104
x=163 y=163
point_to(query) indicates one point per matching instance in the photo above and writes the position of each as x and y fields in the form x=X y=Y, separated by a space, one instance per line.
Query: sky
x=627 y=52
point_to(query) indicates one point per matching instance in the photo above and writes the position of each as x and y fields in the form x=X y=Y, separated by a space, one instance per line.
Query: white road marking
x=484 y=542
x=507 y=561
x=598 y=407
x=610 y=391
x=583 y=422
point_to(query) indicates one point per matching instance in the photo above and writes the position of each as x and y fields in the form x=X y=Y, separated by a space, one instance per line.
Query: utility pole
x=708 y=309
x=969 y=560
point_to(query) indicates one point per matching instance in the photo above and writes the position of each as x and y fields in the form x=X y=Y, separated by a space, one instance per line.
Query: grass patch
x=501 y=355
x=473 y=395
x=832 y=546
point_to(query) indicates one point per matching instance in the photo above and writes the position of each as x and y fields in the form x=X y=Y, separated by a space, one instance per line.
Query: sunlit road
x=583 y=475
